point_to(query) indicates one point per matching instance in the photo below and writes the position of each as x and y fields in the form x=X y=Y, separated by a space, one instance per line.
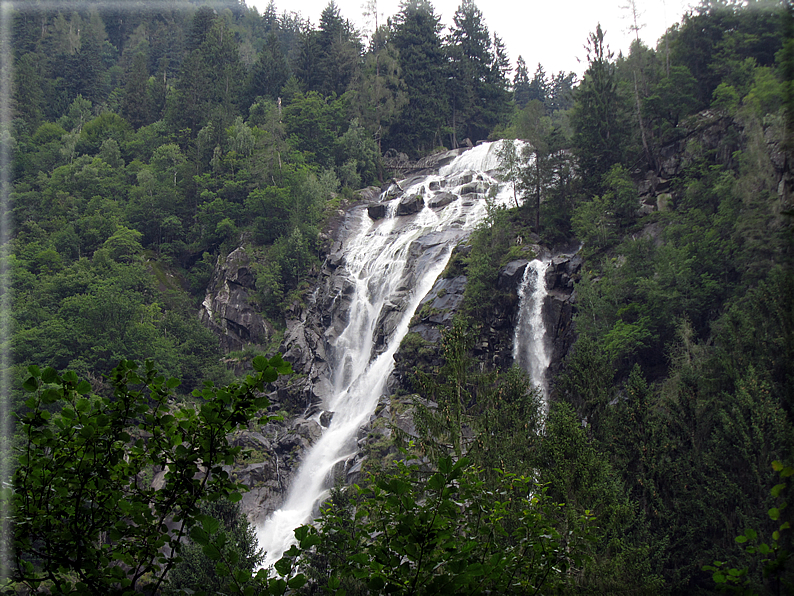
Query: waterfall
x=530 y=349
x=391 y=265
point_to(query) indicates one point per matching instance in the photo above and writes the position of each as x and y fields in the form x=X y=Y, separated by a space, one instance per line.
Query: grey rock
x=227 y=309
x=410 y=205
x=371 y=193
x=511 y=274
x=664 y=202
x=442 y=199
x=376 y=210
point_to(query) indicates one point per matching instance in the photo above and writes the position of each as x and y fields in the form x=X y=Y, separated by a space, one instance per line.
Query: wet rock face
x=227 y=308
x=559 y=307
x=494 y=345
x=274 y=454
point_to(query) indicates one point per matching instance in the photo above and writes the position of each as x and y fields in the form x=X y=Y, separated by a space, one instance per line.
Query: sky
x=550 y=32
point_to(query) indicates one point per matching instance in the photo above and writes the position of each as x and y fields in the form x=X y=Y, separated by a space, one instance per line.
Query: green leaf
x=211 y=551
x=50 y=395
x=741 y=539
x=297 y=582
x=436 y=482
x=49 y=375
x=376 y=583
x=210 y=524
x=774 y=513
x=301 y=532
x=234 y=497
x=777 y=465
x=777 y=489
x=83 y=387
x=259 y=363
x=283 y=566
x=199 y=535
x=30 y=384
x=398 y=486
x=310 y=541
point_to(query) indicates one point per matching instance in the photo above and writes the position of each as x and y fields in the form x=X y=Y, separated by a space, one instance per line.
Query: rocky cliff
x=227 y=308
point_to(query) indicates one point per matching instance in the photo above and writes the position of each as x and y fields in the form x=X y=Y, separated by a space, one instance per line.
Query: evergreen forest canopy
x=147 y=143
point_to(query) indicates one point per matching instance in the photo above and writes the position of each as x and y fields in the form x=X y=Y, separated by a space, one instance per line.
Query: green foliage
x=418 y=128
x=426 y=532
x=598 y=119
x=774 y=558
x=222 y=537
x=493 y=418
x=84 y=522
x=578 y=474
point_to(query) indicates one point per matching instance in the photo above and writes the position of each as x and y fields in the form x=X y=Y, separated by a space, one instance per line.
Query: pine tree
x=270 y=72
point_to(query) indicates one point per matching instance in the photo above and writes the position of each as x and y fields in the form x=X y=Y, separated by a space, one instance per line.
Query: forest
x=149 y=142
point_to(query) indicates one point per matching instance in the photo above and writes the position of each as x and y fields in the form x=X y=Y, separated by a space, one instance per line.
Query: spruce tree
x=597 y=118
x=416 y=36
x=521 y=89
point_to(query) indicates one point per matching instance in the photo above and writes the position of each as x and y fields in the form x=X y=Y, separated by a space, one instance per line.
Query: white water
x=376 y=258
x=530 y=346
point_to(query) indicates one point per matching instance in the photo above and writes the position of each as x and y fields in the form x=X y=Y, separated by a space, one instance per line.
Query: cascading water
x=530 y=349
x=376 y=259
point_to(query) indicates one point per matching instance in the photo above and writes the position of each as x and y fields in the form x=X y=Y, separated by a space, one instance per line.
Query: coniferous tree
x=270 y=72
x=597 y=117
x=378 y=92
x=561 y=92
x=478 y=77
x=305 y=65
x=210 y=79
x=340 y=50
x=135 y=107
x=28 y=93
x=416 y=37
x=539 y=86
x=521 y=91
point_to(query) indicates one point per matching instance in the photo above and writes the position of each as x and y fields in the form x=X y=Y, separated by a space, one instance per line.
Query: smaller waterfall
x=530 y=349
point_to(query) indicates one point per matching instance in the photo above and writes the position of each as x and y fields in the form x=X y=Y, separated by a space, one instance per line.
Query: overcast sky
x=552 y=32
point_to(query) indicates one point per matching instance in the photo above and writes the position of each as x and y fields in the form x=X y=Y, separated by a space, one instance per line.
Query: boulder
x=437 y=184
x=377 y=210
x=371 y=193
x=441 y=199
x=410 y=205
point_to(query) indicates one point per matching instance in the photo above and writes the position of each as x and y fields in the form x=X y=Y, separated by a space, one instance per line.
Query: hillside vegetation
x=148 y=143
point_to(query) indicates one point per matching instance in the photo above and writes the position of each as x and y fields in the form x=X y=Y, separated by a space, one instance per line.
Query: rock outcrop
x=227 y=308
